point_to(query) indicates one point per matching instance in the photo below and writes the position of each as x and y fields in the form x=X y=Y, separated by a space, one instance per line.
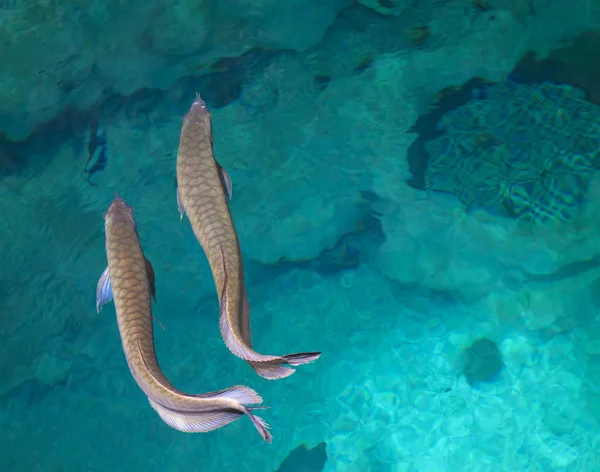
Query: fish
x=129 y=281
x=98 y=166
x=97 y=141
x=204 y=189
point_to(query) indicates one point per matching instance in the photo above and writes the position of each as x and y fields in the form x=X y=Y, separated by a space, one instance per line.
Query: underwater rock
x=181 y=29
x=61 y=56
x=568 y=65
x=386 y=7
x=293 y=24
x=284 y=81
x=45 y=57
x=303 y=459
x=528 y=152
x=51 y=371
x=482 y=361
x=58 y=56
x=545 y=307
x=459 y=424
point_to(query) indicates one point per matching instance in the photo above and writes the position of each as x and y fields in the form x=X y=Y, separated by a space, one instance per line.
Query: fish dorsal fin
x=225 y=278
x=226 y=181
x=223 y=301
x=151 y=278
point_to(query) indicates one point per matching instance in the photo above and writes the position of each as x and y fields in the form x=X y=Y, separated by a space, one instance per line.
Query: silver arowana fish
x=202 y=193
x=129 y=279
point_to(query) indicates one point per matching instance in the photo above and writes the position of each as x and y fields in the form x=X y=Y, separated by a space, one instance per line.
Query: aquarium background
x=416 y=193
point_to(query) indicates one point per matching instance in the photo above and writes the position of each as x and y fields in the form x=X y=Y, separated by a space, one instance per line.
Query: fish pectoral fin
x=226 y=182
x=103 y=290
x=245 y=320
x=180 y=205
x=151 y=278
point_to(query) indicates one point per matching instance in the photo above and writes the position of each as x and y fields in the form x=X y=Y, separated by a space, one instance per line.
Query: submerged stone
x=303 y=459
x=482 y=361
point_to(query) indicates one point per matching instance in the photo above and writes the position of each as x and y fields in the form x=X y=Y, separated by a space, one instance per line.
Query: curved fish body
x=202 y=193
x=129 y=281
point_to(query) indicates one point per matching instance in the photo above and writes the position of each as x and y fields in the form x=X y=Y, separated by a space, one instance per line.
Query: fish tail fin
x=238 y=393
x=281 y=369
x=245 y=396
x=301 y=358
x=272 y=371
x=261 y=425
x=205 y=421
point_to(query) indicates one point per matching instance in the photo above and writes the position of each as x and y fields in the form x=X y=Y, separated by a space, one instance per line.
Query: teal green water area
x=416 y=196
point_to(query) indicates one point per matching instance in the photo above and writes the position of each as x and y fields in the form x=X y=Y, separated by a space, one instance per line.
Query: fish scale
x=129 y=281
x=202 y=188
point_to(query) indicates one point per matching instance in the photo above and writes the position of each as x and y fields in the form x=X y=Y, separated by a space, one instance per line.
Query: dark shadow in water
x=322 y=82
x=426 y=127
x=352 y=249
x=15 y=157
x=303 y=459
x=31 y=391
x=482 y=362
x=224 y=85
x=84 y=128
x=578 y=63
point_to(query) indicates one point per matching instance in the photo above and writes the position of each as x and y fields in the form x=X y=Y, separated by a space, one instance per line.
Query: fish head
x=198 y=112
x=119 y=211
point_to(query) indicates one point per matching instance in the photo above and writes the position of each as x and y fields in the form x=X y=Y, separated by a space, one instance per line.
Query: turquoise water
x=416 y=194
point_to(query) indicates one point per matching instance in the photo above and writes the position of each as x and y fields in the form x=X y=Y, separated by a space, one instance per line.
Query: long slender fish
x=203 y=190
x=129 y=279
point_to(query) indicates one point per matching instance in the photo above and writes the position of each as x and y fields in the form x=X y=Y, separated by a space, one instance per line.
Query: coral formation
x=525 y=151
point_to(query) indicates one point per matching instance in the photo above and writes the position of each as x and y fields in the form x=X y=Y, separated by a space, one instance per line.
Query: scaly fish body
x=129 y=280
x=203 y=187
